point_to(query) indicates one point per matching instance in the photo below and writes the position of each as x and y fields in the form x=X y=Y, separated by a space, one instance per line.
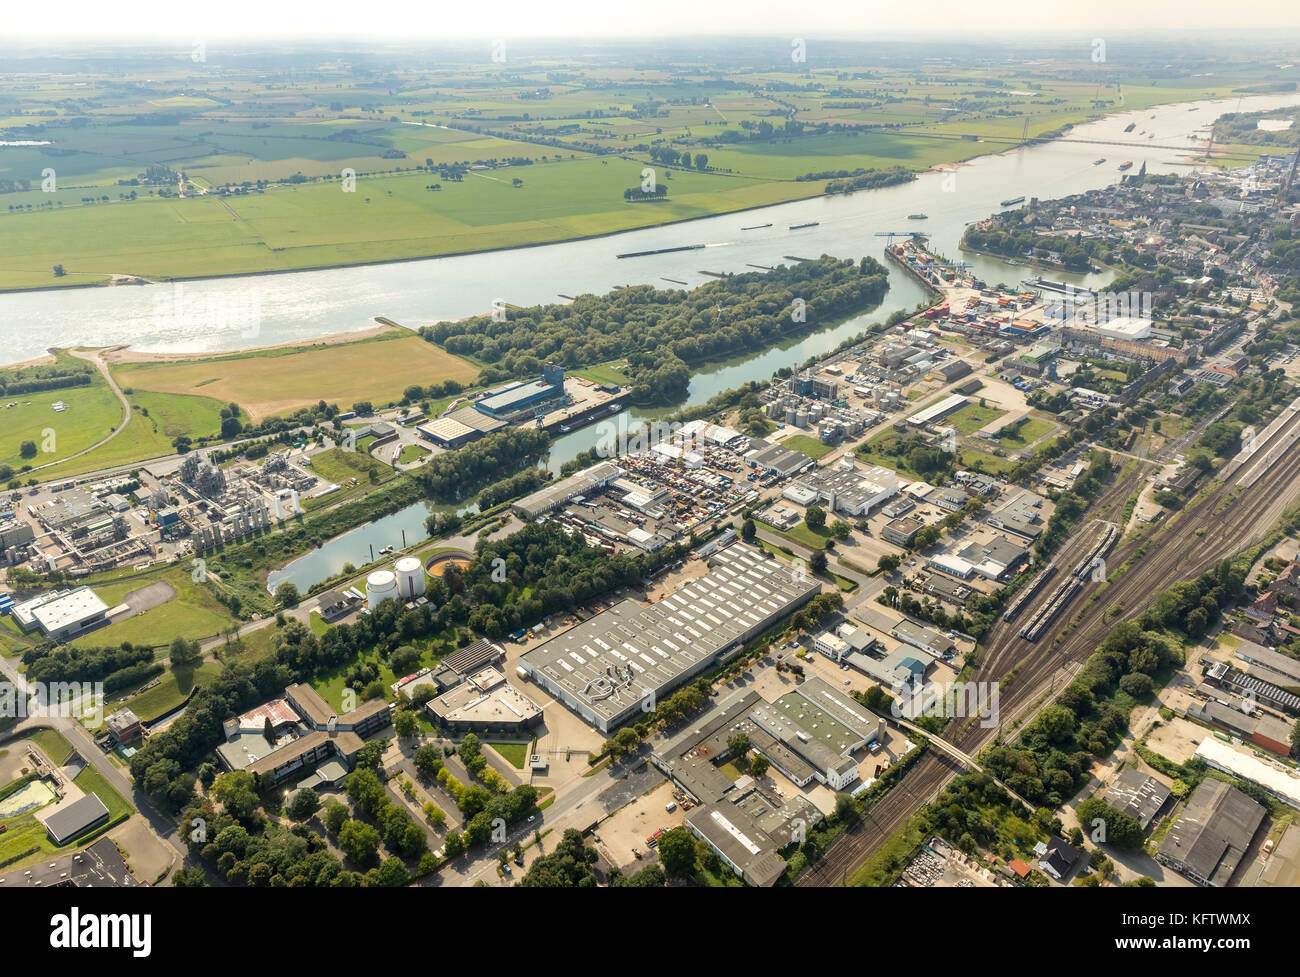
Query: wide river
x=302 y=305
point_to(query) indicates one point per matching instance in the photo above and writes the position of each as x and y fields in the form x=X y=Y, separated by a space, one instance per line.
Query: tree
x=748 y=530
x=303 y=804
x=336 y=815
x=888 y=563
x=677 y=852
x=286 y=595
x=406 y=724
x=27 y=449
x=738 y=745
x=59 y=271
x=817 y=562
x=189 y=878
x=1137 y=684
x=758 y=766
x=815 y=517
x=840 y=529
x=393 y=873
x=185 y=652
x=237 y=794
x=1118 y=828
x=360 y=842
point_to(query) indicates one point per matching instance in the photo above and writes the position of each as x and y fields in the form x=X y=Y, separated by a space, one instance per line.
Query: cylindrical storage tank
x=410 y=577
x=801 y=418
x=790 y=415
x=380 y=586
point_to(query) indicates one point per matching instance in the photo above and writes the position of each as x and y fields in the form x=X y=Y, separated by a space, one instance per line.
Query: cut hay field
x=274 y=381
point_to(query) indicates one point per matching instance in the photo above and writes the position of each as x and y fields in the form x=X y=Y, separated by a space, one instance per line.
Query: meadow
x=274 y=381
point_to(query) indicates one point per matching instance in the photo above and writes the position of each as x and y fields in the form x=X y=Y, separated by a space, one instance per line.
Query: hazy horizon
x=83 y=22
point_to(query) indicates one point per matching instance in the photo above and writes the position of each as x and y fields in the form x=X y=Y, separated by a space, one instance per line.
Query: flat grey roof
x=72 y=819
x=610 y=662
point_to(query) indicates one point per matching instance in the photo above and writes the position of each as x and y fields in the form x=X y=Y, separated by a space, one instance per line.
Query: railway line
x=1238 y=513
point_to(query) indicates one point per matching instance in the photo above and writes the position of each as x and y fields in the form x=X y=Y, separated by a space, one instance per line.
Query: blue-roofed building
x=525 y=396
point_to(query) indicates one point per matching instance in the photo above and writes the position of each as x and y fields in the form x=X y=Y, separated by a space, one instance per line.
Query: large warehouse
x=61 y=614
x=606 y=667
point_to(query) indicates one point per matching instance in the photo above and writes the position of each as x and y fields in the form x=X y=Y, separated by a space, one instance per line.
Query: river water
x=302 y=305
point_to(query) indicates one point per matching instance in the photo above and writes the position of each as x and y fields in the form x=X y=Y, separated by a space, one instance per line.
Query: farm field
x=274 y=381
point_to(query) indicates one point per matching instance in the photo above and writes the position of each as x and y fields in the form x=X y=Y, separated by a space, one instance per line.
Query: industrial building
x=61 y=614
x=1209 y=840
x=577 y=485
x=938 y=410
x=447 y=432
x=1282 y=784
x=71 y=819
x=901 y=532
x=927 y=639
x=522 y=398
x=1262 y=730
x=996 y=559
x=776 y=460
x=1139 y=795
x=846 y=489
x=484 y=702
x=742 y=823
x=611 y=666
x=822 y=726
x=1270 y=665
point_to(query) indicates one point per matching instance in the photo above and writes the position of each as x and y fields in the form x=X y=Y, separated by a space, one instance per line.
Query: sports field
x=274 y=381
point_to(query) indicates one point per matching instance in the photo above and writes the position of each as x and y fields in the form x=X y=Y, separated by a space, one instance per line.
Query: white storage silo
x=410 y=577
x=380 y=586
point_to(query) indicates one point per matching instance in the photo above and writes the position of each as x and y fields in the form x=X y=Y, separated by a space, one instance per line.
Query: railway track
x=1236 y=515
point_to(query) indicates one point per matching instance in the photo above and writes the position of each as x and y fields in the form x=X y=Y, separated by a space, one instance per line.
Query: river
x=303 y=305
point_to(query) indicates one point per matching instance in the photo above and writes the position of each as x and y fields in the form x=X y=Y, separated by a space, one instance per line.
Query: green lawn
x=604 y=373
x=410 y=453
x=156 y=420
x=172 y=688
x=1029 y=432
x=516 y=754
x=92 y=413
x=985 y=462
x=813 y=448
x=971 y=418
x=52 y=742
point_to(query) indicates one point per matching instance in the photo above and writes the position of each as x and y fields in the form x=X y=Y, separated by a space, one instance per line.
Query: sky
x=408 y=20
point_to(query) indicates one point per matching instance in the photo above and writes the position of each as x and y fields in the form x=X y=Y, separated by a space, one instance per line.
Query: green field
x=410 y=453
x=156 y=420
x=275 y=381
x=516 y=754
x=173 y=686
x=813 y=448
x=971 y=418
x=92 y=413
